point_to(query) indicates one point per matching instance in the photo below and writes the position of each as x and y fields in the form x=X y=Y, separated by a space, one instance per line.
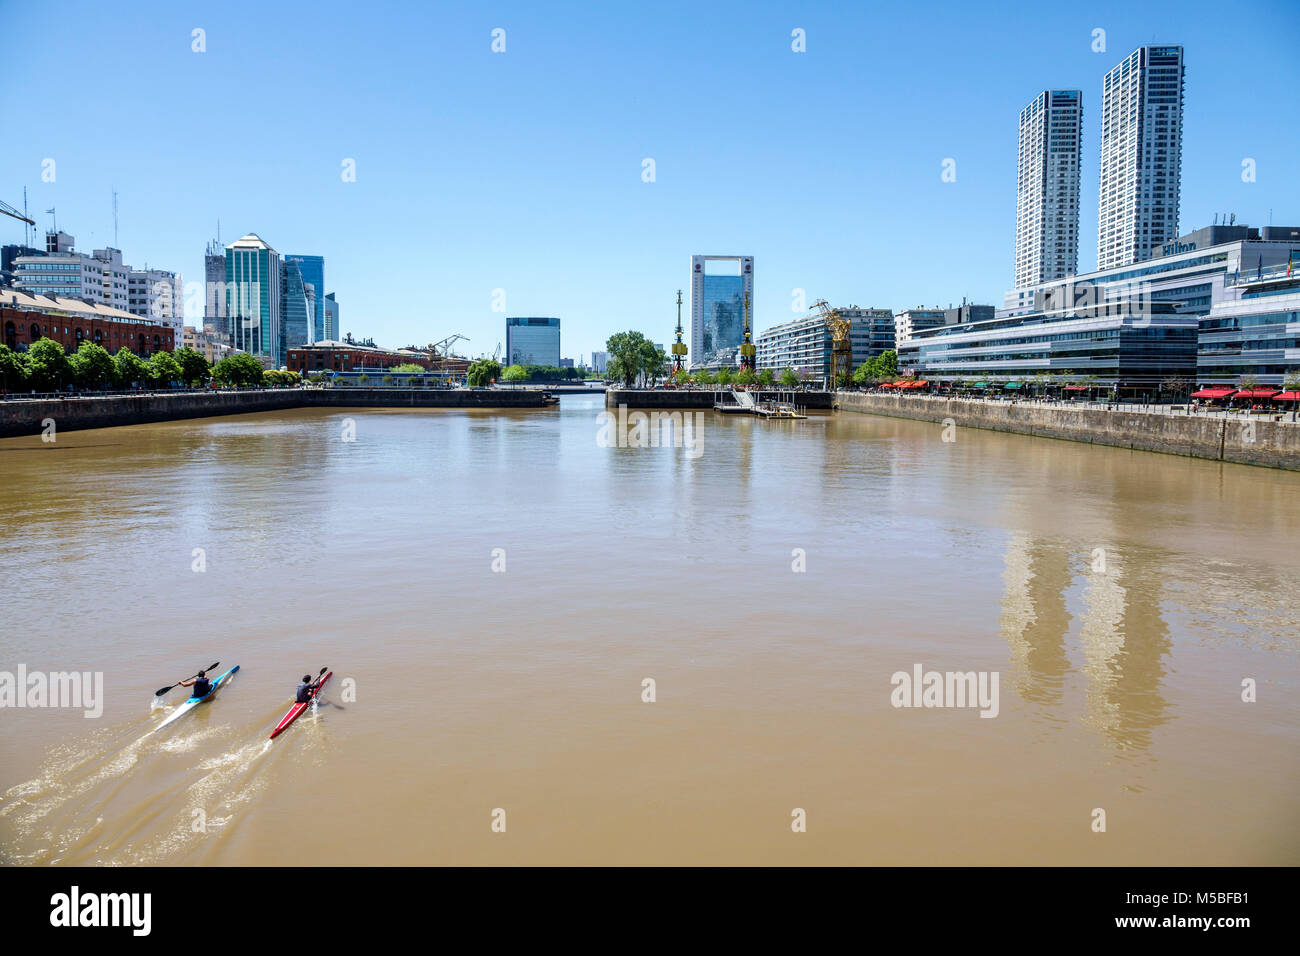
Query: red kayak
x=297 y=708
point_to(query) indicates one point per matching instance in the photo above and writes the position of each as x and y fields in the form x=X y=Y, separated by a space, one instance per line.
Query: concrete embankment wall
x=703 y=398
x=70 y=414
x=1267 y=443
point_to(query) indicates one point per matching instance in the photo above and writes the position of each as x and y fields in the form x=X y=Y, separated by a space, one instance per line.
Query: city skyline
x=457 y=225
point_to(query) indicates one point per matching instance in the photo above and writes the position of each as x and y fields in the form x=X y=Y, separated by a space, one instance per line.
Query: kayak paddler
x=200 y=683
x=303 y=694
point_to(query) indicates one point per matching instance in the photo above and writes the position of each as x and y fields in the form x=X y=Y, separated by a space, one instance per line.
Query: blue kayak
x=190 y=703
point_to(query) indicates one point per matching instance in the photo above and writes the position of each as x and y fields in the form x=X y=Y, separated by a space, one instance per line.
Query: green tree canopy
x=482 y=372
x=282 y=378
x=48 y=366
x=238 y=369
x=514 y=374
x=130 y=368
x=407 y=368
x=164 y=369
x=13 y=368
x=194 y=367
x=92 y=366
x=882 y=368
x=766 y=377
x=631 y=354
x=788 y=378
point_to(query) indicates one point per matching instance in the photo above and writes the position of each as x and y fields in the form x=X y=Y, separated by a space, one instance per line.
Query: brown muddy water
x=770 y=582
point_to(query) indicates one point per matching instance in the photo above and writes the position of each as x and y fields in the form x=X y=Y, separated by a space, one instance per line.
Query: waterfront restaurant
x=1126 y=347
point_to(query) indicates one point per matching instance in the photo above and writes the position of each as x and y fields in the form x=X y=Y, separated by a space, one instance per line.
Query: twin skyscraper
x=1141 y=154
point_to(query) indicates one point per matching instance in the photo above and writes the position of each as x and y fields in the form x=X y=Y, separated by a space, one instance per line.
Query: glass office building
x=1127 y=347
x=297 y=309
x=253 y=297
x=718 y=307
x=723 y=323
x=313 y=273
x=1256 y=334
x=532 y=341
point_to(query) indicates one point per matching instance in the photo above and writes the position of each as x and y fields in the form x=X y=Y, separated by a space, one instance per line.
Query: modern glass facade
x=532 y=341
x=253 y=296
x=313 y=273
x=724 y=323
x=1257 y=334
x=295 y=310
x=718 y=309
x=1129 y=348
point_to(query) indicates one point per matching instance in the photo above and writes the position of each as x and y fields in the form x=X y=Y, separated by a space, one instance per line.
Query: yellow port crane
x=841 y=345
x=679 y=347
x=747 y=350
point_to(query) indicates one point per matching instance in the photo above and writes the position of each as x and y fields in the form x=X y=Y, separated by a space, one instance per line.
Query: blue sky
x=522 y=170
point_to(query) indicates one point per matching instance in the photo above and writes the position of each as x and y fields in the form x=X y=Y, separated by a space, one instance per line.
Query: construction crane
x=9 y=210
x=444 y=347
x=440 y=352
x=496 y=356
x=841 y=346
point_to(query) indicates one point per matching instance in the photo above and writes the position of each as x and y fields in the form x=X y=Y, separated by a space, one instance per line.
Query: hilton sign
x=1173 y=248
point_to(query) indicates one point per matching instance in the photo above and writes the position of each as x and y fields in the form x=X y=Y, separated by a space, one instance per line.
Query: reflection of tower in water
x=1123 y=636
x=1125 y=639
x=1034 y=618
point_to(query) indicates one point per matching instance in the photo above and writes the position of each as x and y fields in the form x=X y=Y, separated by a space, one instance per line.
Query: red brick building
x=27 y=318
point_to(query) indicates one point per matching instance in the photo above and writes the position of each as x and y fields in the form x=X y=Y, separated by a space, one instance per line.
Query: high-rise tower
x=1141 y=155
x=1047 y=187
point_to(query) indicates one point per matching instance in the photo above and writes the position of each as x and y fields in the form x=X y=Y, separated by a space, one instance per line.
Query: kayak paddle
x=163 y=690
